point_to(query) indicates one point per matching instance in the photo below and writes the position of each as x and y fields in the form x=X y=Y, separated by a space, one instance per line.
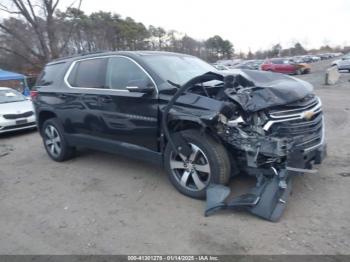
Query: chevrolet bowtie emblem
x=308 y=115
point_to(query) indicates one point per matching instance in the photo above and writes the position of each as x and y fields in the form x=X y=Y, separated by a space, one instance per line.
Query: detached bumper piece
x=267 y=199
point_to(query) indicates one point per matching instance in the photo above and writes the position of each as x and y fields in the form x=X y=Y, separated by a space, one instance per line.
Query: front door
x=129 y=116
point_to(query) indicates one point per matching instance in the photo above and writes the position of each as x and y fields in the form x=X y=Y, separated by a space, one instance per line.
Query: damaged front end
x=274 y=129
x=261 y=156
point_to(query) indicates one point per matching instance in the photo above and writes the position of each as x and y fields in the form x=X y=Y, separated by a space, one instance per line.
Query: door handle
x=106 y=99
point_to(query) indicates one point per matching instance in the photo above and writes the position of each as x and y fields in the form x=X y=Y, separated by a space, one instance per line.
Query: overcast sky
x=255 y=24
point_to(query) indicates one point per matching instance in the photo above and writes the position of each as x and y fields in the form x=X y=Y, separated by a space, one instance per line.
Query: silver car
x=343 y=64
x=16 y=111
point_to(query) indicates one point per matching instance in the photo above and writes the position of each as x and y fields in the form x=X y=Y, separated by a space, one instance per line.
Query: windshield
x=9 y=96
x=178 y=69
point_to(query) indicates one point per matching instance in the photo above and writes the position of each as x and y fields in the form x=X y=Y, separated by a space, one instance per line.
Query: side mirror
x=140 y=86
x=169 y=90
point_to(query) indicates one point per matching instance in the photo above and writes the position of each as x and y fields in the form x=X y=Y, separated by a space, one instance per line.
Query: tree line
x=37 y=32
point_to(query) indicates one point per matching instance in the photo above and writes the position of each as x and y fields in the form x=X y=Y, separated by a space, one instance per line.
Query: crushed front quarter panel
x=265 y=156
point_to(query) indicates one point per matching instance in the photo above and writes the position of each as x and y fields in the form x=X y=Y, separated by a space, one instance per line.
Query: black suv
x=177 y=111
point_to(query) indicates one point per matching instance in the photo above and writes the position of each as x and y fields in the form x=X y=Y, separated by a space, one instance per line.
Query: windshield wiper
x=174 y=84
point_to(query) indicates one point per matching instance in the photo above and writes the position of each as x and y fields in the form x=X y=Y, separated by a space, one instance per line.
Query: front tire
x=54 y=141
x=208 y=163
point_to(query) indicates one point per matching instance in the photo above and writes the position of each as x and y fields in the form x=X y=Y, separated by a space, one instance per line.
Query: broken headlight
x=236 y=122
x=231 y=122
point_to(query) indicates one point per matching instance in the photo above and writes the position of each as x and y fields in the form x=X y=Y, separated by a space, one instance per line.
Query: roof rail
x=94 y=52
x=78 y=54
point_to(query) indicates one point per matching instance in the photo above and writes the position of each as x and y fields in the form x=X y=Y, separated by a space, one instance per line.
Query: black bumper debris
x=267 y=200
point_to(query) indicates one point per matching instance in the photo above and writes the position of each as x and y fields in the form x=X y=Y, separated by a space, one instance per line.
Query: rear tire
x=209 y=163
x=54 y=141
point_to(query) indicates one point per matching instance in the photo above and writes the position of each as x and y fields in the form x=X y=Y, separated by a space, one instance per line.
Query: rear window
x=89 y=73
x=50 y=74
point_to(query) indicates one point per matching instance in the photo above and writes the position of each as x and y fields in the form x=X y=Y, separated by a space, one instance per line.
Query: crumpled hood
x=267 y=90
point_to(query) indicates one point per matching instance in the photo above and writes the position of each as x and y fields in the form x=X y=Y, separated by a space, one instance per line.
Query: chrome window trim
x=66 y=76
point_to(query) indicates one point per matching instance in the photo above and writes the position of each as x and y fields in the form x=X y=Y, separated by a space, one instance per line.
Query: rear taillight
x=33 y=94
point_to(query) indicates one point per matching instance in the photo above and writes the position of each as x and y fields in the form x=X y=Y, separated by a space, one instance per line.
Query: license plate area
x=21 y=122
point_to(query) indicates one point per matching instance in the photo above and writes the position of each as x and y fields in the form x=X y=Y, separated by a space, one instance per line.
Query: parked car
x=296 y=59
x=229 y=63
x=250 y=64
x=310 y=58
x=16 y=111
x=343 y=63
x=220 y=67
x=307 y=59
x=286 y=66
x=326 y=56
x=179 y=112
x=315 y=58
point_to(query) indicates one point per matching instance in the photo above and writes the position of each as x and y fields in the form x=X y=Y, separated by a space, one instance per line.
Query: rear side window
x=277 y=61
x=50 y=75
x=89 y=73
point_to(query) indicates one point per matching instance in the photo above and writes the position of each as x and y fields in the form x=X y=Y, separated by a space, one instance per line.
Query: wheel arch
x=43 y=116
x=177 y=125
x=182 y=124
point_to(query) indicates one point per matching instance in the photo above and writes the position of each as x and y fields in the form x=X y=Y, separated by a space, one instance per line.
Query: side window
x=123 y=72
x=50 y=74
x=89 y=73
x=277 y=61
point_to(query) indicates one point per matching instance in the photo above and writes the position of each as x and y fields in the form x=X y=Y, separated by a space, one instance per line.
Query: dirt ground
x=99 y=203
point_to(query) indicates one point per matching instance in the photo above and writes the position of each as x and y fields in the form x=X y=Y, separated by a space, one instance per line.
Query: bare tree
x=39 y=16
x=36 y=31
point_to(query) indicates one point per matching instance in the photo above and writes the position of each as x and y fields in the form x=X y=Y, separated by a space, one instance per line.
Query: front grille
x=16 y=116
x=302 y=123
x=296 y=108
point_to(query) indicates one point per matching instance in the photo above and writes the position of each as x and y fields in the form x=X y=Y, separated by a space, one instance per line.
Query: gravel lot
x=99 y=203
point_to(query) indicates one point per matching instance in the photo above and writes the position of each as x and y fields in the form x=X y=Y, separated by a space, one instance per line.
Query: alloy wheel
x=53 y=141
x=192 y=173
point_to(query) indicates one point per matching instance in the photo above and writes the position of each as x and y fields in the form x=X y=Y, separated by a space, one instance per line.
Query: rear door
x=288 y=68
x=278 y=66
x=87 y=80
